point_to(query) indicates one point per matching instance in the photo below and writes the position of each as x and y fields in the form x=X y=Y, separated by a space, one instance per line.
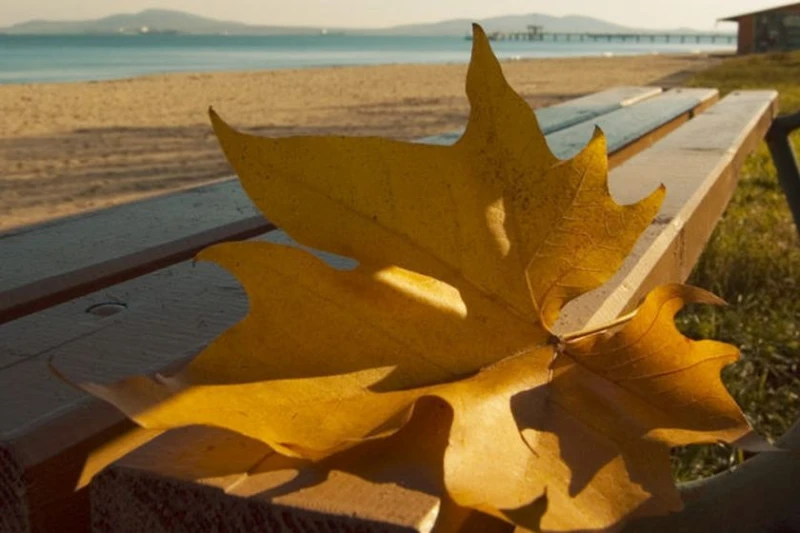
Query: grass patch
x=753 y=262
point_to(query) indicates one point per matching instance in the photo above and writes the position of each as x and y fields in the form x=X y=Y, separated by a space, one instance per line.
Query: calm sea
x=35 y=58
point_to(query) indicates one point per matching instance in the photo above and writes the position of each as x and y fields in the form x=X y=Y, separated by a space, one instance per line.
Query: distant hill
x=151 y=21
x=166 y=21
x=508 y=23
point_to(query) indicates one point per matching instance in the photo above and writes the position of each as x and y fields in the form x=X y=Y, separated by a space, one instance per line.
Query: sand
x=72 y=147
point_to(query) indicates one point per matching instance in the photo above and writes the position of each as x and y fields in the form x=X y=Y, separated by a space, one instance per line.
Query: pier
x=537 y=33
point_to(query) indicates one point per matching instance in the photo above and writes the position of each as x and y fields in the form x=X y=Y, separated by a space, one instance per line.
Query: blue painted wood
x=630 y=123
x=571 y=112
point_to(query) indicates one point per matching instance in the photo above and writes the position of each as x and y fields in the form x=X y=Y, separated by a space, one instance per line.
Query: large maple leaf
x=466 y=254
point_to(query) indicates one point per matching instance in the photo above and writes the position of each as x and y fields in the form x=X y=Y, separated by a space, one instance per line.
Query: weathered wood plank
x=711 y=163
x=571 y=112
x=387 y=508
x=47 y=428
x=368 y=489
x=110 y=246
x=628 y=129
x=141 y=237
x=628 y=125
x=699 y=163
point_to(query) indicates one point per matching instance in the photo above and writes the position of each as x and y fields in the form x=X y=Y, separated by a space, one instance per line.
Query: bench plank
x=347 y=495
x=48 y=428
x=709 y=164
x=645 y=123
x=108 y=248
x=140 y=237
x=700 y=165
x=571 y=112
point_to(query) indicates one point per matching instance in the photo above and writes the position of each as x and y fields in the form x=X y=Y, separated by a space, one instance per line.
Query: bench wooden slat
x=343 y=493
x=698 y=163
x=642 y=124
x=571 y=112
x=58 y=288
x=141 y=237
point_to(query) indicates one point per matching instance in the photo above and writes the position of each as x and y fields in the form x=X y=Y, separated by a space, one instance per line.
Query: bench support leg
x=785 y=162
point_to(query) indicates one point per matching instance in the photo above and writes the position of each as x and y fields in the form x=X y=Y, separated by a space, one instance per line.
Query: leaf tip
x=703 y=296
x=482 y=57
x=754 y=443
x=658 y=195
x=222 y=129
x=216 y=120
x=598 y=140
x=61 y=376
x=477 y=32
x=210 y=253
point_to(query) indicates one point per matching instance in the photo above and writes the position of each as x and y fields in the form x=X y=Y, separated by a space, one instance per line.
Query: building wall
x=771 y=30
x=746 y=35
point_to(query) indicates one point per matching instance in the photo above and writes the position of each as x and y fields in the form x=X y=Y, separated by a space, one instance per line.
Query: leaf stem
x=570 y=337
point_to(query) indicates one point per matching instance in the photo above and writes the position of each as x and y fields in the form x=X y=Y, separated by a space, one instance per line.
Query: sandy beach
x=71 y=147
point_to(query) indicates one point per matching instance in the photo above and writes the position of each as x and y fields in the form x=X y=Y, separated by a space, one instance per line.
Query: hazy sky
x=701 y=14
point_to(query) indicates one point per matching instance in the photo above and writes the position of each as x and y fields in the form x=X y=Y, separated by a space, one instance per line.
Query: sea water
x=60 y=58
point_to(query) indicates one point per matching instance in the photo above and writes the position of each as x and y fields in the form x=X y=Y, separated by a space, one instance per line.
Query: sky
x=699 y=14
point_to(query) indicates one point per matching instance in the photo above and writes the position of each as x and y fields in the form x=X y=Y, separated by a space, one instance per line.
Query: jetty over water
x=537 y=33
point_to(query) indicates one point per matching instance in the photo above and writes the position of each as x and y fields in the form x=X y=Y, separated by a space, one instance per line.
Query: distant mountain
x=152 y=21
x=508 y=23
x=166 y=21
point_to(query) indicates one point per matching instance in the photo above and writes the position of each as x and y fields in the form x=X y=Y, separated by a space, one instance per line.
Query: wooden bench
x=114 y=293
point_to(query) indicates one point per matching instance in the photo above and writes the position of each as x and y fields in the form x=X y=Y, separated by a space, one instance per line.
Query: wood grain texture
x=203 y=456
x=12 y=493
x=369 y=489
x=705 y=162
x=110 y=246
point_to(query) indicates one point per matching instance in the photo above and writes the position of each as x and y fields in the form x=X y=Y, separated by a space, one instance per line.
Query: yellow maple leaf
x=466 y=254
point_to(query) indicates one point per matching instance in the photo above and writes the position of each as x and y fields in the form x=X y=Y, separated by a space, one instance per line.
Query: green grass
x=753 y=262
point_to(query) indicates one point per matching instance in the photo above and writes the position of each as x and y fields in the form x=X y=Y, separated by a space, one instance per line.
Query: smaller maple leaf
x=620 y=401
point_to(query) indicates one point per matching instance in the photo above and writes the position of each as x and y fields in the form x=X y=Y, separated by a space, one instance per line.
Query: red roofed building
x=769 y=30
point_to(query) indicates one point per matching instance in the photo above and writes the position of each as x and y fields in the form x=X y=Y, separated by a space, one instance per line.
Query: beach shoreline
x=70 y=147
